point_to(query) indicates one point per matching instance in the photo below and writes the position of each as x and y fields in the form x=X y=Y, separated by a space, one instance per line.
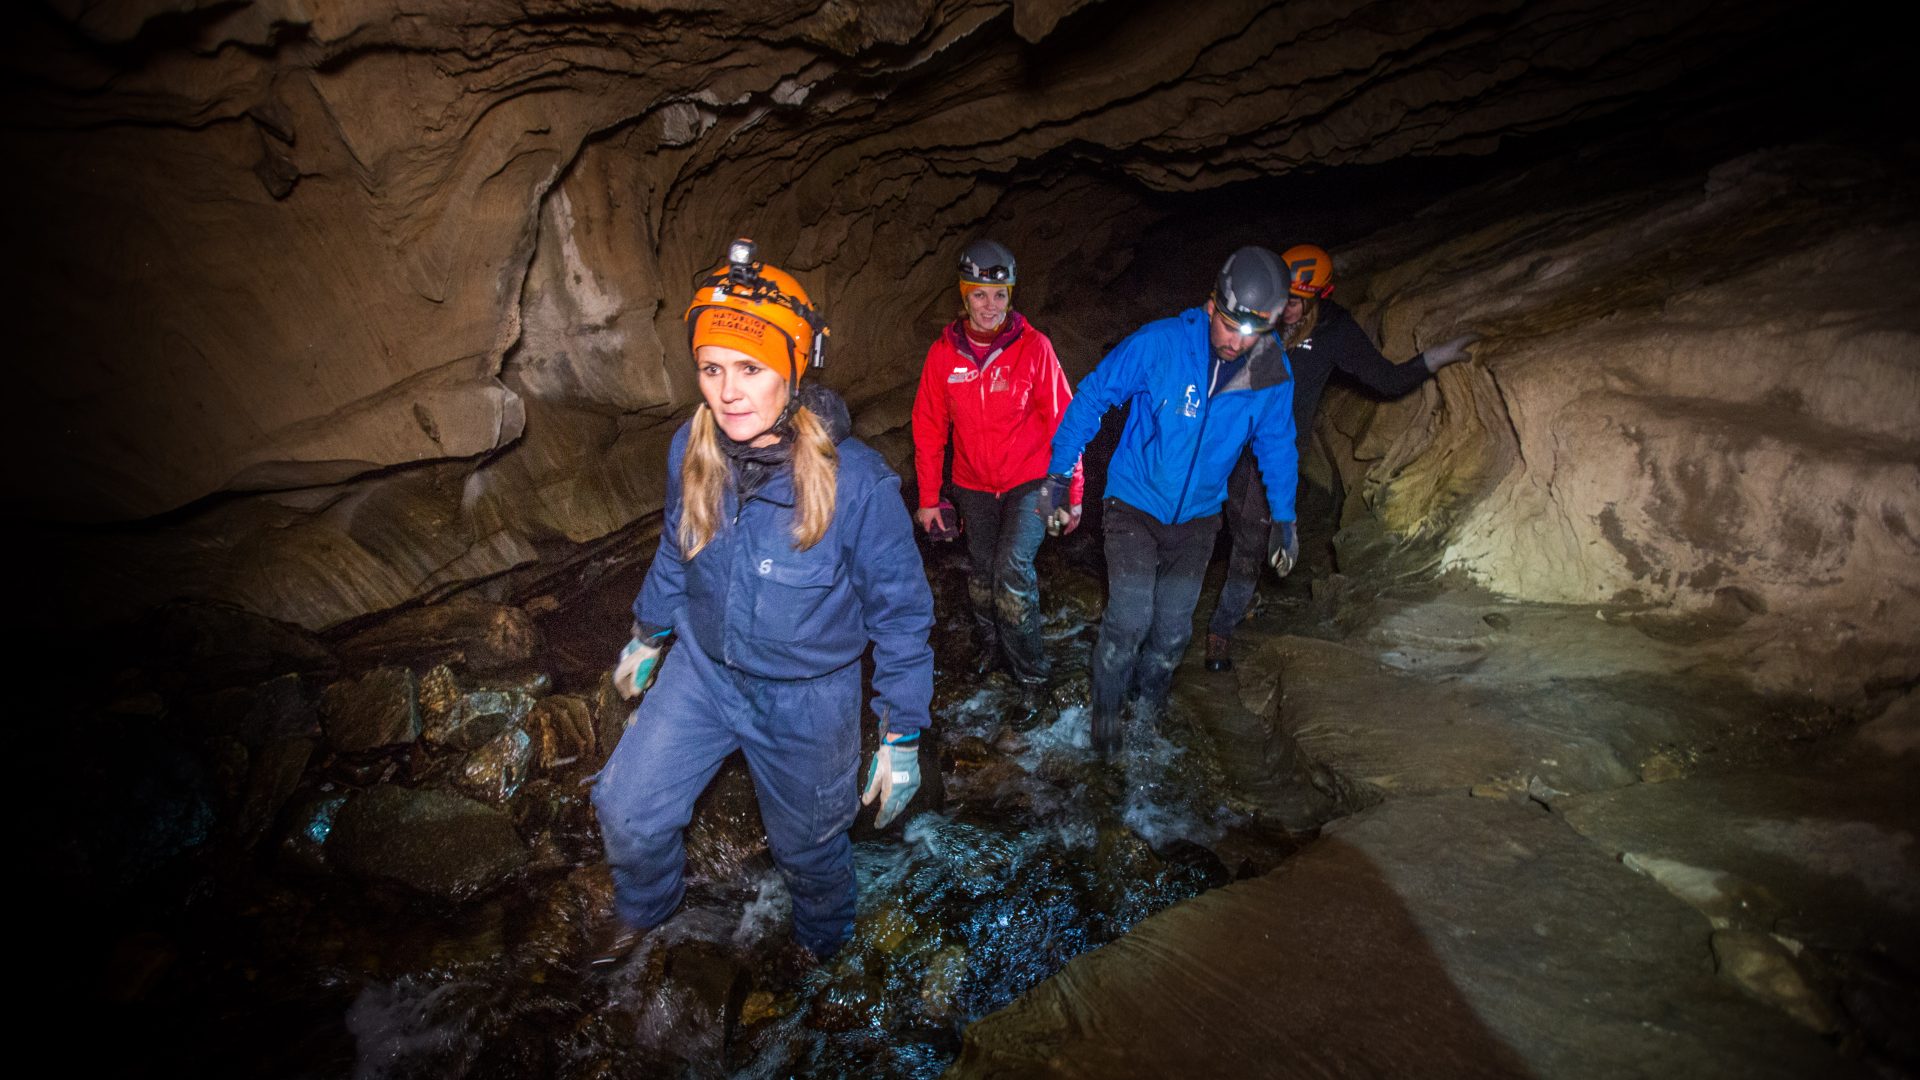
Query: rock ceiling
x=339 y=304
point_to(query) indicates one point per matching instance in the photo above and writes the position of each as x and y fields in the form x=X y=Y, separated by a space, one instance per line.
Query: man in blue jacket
x=1202 y=386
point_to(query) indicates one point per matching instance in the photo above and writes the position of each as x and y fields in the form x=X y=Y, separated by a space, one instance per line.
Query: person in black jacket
x=1319 y=336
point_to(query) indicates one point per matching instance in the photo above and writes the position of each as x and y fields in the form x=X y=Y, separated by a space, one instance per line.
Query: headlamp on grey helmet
x=987 y=262
x=1251 y=290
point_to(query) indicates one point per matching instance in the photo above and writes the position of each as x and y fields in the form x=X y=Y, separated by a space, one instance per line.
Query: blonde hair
x=1302 y=330
x=705 y=472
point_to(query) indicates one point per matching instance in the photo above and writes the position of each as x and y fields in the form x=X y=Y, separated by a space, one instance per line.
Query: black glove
x=1053 y=508
x=1283 y=546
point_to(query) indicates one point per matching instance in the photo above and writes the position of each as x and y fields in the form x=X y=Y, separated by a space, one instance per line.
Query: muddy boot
x=610 y=943
x=986 y=651
x=1106 y=735
x=1219 y=653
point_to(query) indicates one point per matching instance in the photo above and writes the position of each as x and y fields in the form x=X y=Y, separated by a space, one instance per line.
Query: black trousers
x=1154 y=574
x=1003 y=536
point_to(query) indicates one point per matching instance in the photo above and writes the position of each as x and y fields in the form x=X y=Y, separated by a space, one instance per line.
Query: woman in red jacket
x=995 y=380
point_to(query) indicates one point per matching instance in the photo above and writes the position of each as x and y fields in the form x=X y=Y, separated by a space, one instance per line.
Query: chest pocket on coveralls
x=793 y=587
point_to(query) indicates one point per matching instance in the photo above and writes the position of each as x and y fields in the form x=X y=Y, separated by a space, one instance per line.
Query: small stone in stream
x=496 y=771
x=1766 y=969
x=851 y=1001
x=944 y=974
x=485 y=637
x=562 y=730
x=1496 y=620
x=431 y=842
x=379 y=709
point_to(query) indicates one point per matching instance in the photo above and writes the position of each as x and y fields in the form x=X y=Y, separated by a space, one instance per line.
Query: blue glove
x=639 y=663
x=1283 y=546
x=1053 y=508
x=894 y=775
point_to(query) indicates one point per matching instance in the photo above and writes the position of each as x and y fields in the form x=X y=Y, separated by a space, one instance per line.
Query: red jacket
x=1003 y=413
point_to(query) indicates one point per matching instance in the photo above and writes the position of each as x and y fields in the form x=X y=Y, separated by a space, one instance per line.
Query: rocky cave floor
x=1418 y=830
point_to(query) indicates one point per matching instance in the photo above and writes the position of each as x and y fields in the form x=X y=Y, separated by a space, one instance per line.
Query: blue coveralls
x=1188 y=422
x=767 y=661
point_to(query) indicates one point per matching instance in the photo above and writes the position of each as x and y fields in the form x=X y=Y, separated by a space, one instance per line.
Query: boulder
x=430 y=842
x=377 y=710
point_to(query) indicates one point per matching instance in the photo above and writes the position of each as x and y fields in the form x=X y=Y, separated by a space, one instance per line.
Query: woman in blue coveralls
x=785 y=549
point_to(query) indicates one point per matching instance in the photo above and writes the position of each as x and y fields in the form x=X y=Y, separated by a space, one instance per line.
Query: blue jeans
x=801 y=738
x=1003 y=536
x=1247 y=520
x=1154 y=574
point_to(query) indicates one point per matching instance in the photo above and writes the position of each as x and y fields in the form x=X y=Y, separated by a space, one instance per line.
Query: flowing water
x=1027 y=851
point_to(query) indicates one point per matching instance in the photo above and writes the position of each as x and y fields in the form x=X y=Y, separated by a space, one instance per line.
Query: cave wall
x=347 y=306
x=1696 y=398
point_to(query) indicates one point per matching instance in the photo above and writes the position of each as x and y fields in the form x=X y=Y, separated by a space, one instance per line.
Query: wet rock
x=611 y=715
x=1438 y=936
x=310 y=820
x=377 y=710
x=562 y=730
x=852 y=1000
x=277 y=770
x=458 y=719
x=431 y=842
x=1764 y=967
x=483 y=637
x=710 y=985
x=149 y=802
x=945 y=971
x=496 y=771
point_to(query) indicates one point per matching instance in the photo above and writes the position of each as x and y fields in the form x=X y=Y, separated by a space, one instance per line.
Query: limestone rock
x=376 y=710
x=1425 y=936
x=431 y=842
x=484 y=637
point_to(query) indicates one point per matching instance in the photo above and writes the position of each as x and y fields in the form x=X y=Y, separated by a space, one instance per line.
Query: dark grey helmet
x=987 y=262
x=1251 y=289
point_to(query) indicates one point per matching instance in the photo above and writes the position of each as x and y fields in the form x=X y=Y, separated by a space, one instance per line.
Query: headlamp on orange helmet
x=1310 y=271
x=760 y=310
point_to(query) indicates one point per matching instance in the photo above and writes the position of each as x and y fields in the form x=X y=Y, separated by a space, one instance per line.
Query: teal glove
x=639 y=663
x=894 y=775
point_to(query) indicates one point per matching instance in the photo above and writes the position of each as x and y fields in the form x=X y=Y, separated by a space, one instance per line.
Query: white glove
x=893 y=777
x=639 y=663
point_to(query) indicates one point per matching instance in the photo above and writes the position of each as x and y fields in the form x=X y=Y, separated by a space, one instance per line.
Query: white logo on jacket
x=1192 y=407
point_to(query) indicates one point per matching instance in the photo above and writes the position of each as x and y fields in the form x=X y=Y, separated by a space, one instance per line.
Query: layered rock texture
x=1697 y=398
x=341 y=307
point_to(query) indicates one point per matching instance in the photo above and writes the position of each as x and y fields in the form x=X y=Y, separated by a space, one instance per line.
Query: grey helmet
x=1251 y=290
x=986 y=262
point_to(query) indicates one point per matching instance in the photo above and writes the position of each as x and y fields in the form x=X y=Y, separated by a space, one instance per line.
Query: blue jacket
x=752 y=602
x=1184 y=434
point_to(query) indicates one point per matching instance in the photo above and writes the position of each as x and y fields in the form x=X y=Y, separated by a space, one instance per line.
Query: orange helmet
x=760 y=310
x=1311 y=269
